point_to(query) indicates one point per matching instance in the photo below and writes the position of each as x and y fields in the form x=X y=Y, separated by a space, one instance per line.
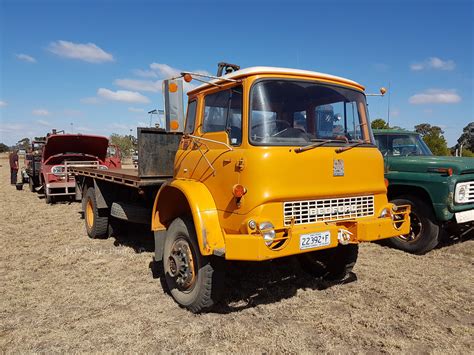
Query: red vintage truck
x=61 y=152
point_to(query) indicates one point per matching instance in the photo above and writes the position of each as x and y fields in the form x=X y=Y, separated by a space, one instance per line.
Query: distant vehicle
x=64 y=151
x=135 y=158
x=22 y=152
x=33 y=164
x=440 y=190
x=114 y=157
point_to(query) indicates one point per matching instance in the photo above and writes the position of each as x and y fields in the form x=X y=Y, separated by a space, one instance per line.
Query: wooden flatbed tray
x=127 y=177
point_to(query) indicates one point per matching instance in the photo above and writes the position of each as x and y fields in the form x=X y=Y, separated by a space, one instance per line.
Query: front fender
x=179 y=197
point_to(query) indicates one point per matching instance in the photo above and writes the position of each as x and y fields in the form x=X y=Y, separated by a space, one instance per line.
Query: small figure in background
x=13 y=166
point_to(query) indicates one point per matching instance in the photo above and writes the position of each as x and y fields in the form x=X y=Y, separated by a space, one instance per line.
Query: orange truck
x=268 y=163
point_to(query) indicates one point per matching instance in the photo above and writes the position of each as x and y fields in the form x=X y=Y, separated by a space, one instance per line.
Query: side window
x=190 y=117
x=223 y=112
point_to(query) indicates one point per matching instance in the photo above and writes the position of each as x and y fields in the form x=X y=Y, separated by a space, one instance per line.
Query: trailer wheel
x=96 y=224
x=424 y=232
x=334 y=264
x=195 y=281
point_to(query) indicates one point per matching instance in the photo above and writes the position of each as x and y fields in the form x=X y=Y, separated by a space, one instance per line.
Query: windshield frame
x=368 y=141
x=390 y=136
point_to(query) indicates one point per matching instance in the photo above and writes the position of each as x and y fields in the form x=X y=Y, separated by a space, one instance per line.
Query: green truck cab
x=440 y=190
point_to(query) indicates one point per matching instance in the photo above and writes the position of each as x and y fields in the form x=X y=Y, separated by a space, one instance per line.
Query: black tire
x=424 y=233
x=48 y=198
x=207 y=283
x=96 y=220
x=334 y=264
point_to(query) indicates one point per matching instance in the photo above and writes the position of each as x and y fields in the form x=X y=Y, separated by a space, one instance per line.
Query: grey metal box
x=156 y=151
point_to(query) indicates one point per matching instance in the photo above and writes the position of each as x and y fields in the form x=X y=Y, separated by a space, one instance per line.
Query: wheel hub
x=181 y=265
x=415 y=229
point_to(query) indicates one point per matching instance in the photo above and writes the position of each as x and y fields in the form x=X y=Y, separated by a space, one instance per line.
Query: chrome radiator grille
x=470 y=192
x=327 y=210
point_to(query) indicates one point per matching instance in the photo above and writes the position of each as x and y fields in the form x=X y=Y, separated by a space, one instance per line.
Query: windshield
x=291 y=112
x=401 y=145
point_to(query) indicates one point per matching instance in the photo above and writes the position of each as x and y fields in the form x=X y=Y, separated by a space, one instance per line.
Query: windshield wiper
x=356 y=144
x=319 y=142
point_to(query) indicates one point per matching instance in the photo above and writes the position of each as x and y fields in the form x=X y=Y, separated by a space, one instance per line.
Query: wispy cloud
x=139 y=85
x=122 y=96
x=88 y=52
x=137 y=110
x=435 y=96
x=145 y=73
x=90 y=100
x=3 y=103
x=434 y=63
x=44 y=123
x=40 y=112
x=83 y=129
x=26 y=58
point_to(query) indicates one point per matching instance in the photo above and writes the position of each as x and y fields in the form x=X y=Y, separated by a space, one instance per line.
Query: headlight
x=103 y=167
x=57 y=169
x=461 y=194
x=268 y=232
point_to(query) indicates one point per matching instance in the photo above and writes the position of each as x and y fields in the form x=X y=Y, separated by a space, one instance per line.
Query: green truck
x=440 y=190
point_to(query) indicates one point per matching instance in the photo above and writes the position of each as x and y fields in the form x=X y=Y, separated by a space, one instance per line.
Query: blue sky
x=96 y=66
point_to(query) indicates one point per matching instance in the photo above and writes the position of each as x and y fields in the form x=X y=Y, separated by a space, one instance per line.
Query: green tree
x=3 y=148
x=467 y=138
x=379 y=123
x=127 y=143
x=433 y=137
x=24 y=143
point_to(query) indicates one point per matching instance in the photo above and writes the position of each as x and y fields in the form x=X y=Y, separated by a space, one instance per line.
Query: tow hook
x=343 y=236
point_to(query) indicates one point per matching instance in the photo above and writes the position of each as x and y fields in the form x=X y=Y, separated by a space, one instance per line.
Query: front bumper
x=251 y=247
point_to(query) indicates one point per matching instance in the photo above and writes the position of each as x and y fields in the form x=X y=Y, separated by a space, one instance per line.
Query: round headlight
x=268 y=232
x=462 y=194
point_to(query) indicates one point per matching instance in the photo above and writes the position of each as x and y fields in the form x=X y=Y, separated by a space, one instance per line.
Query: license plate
x=315 y=240
x=466 y=216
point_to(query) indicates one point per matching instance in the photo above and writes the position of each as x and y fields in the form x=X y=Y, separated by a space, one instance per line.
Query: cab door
x=212 y=153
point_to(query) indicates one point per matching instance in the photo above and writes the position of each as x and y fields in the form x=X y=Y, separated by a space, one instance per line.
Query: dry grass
x=62 y=292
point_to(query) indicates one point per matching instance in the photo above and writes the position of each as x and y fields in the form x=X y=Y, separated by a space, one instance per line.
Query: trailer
x=266 y=165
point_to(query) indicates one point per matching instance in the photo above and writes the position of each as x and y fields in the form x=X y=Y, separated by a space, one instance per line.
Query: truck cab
x=274 y=162
x=440 y=190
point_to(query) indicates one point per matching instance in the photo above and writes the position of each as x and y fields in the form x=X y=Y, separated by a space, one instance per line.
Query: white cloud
x=90 y=100
x=139 y=85
x=26 y=58
x=40 y=112
x=137 y=110
x=434 y=63
x=145 y=73
x=3 y=103
x=122 y=96
x=435 y=96
x=43 y=123
x=164 y=70
x=88 y=52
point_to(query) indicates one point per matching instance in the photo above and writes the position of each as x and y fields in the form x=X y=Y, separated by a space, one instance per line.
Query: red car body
x=63 y=151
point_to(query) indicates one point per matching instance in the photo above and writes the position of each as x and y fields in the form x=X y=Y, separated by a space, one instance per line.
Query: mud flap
x=160 y=236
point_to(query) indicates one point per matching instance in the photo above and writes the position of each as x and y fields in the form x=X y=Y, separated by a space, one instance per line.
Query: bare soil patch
x=61 y=291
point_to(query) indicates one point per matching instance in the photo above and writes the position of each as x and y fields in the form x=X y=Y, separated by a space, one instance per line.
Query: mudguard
x=202 y=207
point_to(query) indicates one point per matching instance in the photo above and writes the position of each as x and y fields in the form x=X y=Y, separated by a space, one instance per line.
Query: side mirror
x=173 y=99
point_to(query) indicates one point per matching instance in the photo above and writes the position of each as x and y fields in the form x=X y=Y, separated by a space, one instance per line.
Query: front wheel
x=195 y=281
x=424 y=232
x=334 y=264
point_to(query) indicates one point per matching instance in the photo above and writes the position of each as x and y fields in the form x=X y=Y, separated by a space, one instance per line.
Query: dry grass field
x=63 y=292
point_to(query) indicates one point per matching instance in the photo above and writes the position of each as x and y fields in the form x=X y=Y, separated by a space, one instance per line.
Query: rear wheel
x=334 y=264
x=95 y=220
x=194 y=281
x=424 y=232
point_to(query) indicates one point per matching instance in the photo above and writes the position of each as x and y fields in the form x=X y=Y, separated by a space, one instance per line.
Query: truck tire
x=424 y=231
x=334 y=264
x=195 y=281
x=130 y=212
x=96 y=223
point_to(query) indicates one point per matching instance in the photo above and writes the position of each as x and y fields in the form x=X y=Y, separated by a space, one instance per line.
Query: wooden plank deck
x=127 y=177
